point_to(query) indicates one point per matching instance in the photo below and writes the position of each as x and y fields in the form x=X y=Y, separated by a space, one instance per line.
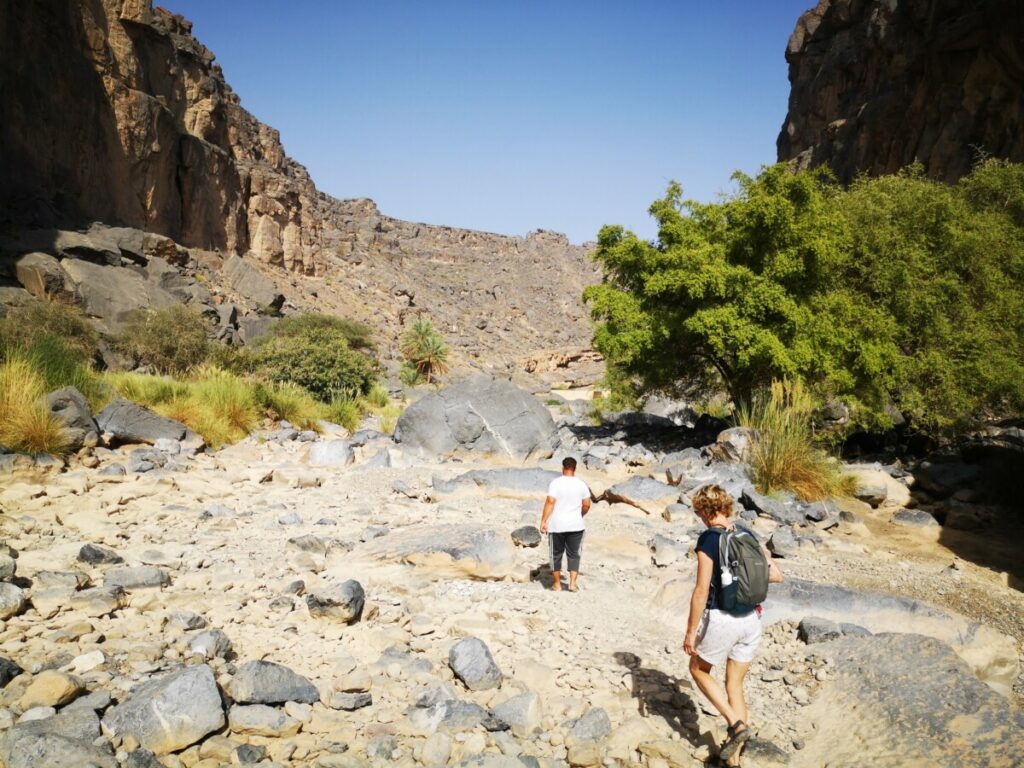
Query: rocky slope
x=112 y=112
x=879 y=85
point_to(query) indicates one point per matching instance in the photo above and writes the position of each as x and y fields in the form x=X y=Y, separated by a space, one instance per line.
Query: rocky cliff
x=110 y=111
x=880 y=84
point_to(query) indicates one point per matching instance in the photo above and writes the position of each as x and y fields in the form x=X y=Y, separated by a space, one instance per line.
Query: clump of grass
x=783 y=454
x=289 y=402
x=59 y=365
x=388 y=416
x=146 y=389
x=345 y=411
x=228 y=399
x=378 y=397
x=26 y=424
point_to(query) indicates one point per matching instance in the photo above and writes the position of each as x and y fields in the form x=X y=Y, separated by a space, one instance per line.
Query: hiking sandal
x=735 y=739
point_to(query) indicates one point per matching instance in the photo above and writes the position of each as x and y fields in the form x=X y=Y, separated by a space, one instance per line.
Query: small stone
x=471 y=661
x=186 y=620
x=12 y=600
x=351 y=701
x=248 y=754
x=94 y=554
x=264 y=682
x=526 y=536
x=342 y=602
x=136 y=577
x=51 y=689
x=211 y=644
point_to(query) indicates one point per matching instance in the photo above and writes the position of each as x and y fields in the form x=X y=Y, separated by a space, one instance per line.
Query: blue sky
x=511 y=116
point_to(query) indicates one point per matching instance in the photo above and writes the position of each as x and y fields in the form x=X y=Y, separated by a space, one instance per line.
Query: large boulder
x=42 y=275
x=70 y=406
x=471 y=661
x=733 y=444
x=264 y=682
x=242 y=277
x=127 y=422
x=507 y=481
x=467 y=550
x=915 y=691
x=170 y=712
x=479 y=415
x=64 y=740
x=113 y=295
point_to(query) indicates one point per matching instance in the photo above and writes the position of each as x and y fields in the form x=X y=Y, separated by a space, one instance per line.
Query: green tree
x=899 y=291
x=425 y=349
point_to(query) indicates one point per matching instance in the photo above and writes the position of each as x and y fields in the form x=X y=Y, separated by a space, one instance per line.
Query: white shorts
x=722 y=636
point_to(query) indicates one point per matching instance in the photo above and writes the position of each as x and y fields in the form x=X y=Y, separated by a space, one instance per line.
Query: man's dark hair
x=569 y=463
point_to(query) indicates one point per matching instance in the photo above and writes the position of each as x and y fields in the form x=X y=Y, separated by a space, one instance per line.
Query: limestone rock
x=12 y=600
x=474 y=550
x=65 y=740
x=136 y=577
x=169 y=713
x=332 y=453
x=51 y=688
x=644 y=493
x=478 y=415
x=261 y=720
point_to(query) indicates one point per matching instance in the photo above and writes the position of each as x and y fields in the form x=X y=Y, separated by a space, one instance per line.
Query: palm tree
x=425 y=349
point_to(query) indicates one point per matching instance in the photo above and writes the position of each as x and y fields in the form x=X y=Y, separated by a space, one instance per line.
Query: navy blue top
x=707 y=543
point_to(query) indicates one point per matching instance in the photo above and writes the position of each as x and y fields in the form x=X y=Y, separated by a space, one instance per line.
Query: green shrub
x=783 y=456
x=317 y=359
x=24 y=325
x=358 y=335
x=425 y=349
x=409 y=375
x=146 y=389
x=378 y=396
x=388 y=416
x=173 y=339
x=26 y=424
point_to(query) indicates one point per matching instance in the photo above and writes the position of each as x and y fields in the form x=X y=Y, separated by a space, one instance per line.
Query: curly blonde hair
x=711 y=501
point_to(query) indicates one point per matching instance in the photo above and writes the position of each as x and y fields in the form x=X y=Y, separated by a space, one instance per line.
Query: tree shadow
x=671 y=698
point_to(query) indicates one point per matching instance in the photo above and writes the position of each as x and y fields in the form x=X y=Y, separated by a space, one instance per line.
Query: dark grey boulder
x=451 y=714
x=471 y=661
x=244 y=278
x=146 y=459
x=593 y=726
x=817 y=630
x=264 y=682
x=777 y=510
x=783 y=543
x=8 y=671
x=761 y=753
x=70 y=407
x=211 y=644
x=526 y=536
x=820 y=511
x=127 y=422
x=95 y=554
x=136 y=577
x=186 y=620
x=341 y=602
x=479 y=415
x=915 y=518
x=927 y=701
x=143 y=758
x=942 y=479
x=350 y=702
x=169 y=713
x=42 y=275
x=65 y=740
x=249 y=754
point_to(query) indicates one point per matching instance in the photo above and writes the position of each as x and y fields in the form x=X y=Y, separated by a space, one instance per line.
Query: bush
x=408 y=375
x=356 y=334
x=317 y=357
x=425 y=349
x=783 y=455
x=25 y=325
x=388 y=416
x=26 y=424
x=171 y=340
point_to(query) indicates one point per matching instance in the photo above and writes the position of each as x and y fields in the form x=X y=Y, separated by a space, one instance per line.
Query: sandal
x=735 y=740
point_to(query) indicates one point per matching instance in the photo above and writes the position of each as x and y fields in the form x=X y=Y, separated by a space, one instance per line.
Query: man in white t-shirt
x=567 y=502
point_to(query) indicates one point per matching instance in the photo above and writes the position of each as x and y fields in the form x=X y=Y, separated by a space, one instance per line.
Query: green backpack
x=744 y=571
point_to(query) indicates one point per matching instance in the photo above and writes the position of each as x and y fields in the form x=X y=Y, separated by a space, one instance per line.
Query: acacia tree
x=899 y=291
x=425 y=349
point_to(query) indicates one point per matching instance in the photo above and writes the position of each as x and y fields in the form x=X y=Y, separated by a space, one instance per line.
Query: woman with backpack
x=724 y=627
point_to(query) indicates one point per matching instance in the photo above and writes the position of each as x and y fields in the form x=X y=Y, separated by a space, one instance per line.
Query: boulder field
x=289 y=601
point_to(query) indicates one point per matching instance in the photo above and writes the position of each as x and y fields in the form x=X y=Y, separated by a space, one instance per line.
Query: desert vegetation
x=425 y=352
x=309 y=368
x=901 y=296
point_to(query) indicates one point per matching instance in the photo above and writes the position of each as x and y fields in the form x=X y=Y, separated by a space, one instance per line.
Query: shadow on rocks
x=659 y=694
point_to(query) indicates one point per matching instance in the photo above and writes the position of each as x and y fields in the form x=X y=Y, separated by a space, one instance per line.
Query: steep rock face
x=110 y=111
x=879 y=84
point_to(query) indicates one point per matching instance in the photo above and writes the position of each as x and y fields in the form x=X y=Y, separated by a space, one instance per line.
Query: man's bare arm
x=586 y=506
x=549 y=507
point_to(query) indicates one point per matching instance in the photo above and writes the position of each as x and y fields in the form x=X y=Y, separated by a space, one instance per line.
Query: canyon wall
x=880 y=84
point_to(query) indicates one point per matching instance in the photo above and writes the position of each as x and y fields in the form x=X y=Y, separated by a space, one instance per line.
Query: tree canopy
x=896 y=294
